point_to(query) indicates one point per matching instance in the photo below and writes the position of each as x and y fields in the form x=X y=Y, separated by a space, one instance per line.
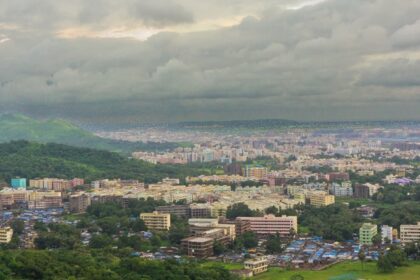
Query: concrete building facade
x=156 y=221
x=410 y=233
x=366 y=232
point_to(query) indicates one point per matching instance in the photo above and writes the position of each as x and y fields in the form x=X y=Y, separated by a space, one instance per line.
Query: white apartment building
x=386 y=232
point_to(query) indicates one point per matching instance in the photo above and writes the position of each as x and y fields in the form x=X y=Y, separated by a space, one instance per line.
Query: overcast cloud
x=175 y=60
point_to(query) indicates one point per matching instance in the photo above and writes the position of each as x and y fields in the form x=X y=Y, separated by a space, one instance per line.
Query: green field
x=346 y=271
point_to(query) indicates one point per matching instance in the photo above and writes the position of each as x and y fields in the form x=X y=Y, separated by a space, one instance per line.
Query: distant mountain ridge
x=20 y=127
x=257 y=124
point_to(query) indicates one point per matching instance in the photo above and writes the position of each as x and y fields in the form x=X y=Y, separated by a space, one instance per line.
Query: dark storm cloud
x=334 y=60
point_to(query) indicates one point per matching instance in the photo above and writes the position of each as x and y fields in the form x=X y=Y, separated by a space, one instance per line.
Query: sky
x=187 y=60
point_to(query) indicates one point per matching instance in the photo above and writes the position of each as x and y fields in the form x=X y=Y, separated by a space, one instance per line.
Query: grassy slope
x=352 y=269
x=19 y=127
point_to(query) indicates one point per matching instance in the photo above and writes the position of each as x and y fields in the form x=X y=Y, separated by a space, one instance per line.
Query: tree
x=377 y=239
x=138 y=225
x=40 y=226
x=100 y=241
x=272 y=210
x=362 y=257
x=179 y=230
x=290 y=158
x=18 y=226
x=417 y=193
x=155 y=241
x=412 y=250
x=397 y=256
x=384 y=264
x=238 y=210
x=292 y=233
x=181 y=202
x=273 y=244
x=218 y=248
x=354 y=204
x=394 y=258
x=249 y=240
x=109 y=225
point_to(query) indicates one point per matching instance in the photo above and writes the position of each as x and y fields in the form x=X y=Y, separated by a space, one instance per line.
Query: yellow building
x=321 y=199
x=258 y=172
x=257 y=265
x=6 y=234
x=156 y=221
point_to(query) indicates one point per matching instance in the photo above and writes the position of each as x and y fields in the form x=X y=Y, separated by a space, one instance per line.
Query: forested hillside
x=30 y=160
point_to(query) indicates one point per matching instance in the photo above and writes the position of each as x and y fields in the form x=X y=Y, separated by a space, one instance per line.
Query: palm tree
x=362 y=257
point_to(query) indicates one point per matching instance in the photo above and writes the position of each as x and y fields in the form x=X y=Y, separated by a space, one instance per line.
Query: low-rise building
x=6 y=234
x=410 y=233
x=337 y=176
x=18 y=183
x=258 y=172
x=257 y=265
x=386 y=233
x=200 y=210
x=45 y=200
x=176 y=210
x=365 y=190
x=78 y=203
x=270 y=224
x=366 y=232
x=156 y=221
x=321 y=198
x=199 y=247
x=198 y=226
x=341 y=190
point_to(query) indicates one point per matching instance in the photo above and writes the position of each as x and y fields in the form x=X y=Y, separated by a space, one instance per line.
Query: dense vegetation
x=111 y=225
x=394 y=258
x=99 y=264
x=334 y=222
x=400 y=213
x=18 y=127
x=31 y=160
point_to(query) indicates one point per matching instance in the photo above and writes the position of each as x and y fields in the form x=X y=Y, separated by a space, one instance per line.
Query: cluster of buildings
x=54 y=184
x=204 y=232
x=31 y=199
x=407 y=234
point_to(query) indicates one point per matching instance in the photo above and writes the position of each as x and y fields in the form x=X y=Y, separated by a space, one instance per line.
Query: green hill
x=19 y=127
x=31 y=160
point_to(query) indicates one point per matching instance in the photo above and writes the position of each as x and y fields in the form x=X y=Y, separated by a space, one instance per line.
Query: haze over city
x=186 y=60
